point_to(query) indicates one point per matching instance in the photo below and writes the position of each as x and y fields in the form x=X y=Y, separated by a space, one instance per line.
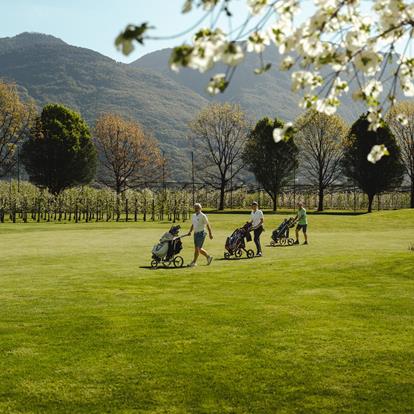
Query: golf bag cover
x=160 y=250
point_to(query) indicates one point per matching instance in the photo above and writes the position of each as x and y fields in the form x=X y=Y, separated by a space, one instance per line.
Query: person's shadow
x=161 y=267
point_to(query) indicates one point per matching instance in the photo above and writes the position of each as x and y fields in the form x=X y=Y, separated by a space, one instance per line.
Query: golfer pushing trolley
x=199 y=225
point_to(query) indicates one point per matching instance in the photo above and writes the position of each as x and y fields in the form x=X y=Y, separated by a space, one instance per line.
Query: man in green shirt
x=302 y=223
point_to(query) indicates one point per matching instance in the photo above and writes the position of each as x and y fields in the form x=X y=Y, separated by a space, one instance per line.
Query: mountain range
x=48 y=70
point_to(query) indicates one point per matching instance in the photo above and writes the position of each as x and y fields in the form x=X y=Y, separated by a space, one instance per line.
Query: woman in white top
x=257 y=223
x=199 y=224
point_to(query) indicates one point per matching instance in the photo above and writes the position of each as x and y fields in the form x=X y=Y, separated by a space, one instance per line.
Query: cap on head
x=197 y=206
x=255 y=203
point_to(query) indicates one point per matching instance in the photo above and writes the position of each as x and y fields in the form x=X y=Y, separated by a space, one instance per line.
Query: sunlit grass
x=86 y=327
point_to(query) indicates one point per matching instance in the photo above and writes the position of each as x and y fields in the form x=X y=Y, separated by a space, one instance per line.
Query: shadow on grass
x=163 y=267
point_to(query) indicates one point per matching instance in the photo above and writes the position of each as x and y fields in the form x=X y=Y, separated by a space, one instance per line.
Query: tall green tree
x=272 y=163
x=372 y=178
x=59 y=153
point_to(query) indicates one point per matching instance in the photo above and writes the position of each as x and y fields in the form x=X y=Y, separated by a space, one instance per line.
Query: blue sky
x=93 y=23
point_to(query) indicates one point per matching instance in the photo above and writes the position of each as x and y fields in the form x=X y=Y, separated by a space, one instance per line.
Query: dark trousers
x=257 y=233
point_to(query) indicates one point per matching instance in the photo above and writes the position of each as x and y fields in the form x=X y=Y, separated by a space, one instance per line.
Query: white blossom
x=311 y=46
x=257 y=42
x=376 y=153
x=328 y=106
x=327 y=4
x=217 y=84
x=355 y=40
x=287 y=8
x=287 y=63
x=280 y=32
x=402 y=119
x=368 y=62
x=256 y=6
x=305 y=79
x=281 y=134
x=373 y=88
x=232 y=54
x=209 y=4
x=375 y=119
x=408 y=87
x=339 y=39
x=308 y=101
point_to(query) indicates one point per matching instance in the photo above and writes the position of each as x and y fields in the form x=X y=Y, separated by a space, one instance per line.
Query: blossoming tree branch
x=342 y=42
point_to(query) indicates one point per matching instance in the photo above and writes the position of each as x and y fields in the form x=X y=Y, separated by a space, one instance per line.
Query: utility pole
x=354 y=197
x=231 y=186
x=164 y=189
x=18 y=168
x=163 y=172
x=193 y=175
x=294 y=188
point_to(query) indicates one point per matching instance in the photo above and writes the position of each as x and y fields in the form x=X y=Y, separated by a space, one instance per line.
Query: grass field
x=324 y=328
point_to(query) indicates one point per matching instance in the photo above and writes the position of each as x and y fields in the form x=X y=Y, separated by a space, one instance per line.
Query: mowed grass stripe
x=324 y=328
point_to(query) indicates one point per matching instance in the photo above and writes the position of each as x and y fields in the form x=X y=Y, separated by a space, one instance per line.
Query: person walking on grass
x=302 y=223
x=199 y=224
x=256 y=221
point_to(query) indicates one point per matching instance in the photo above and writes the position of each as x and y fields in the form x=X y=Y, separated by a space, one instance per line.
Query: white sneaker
x=192 y=264
x=209 y=260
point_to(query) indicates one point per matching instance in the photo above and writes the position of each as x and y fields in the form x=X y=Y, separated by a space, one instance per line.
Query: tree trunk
x=320 y=198
x=370 y=200
x=274 y=201
x=412 y=193
x=222 y=193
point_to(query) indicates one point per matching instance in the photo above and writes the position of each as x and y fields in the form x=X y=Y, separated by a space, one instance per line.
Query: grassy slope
x=324 y=328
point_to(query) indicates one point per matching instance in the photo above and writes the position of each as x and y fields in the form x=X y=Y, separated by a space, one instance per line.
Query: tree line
x=325 y=148
x=59 y=151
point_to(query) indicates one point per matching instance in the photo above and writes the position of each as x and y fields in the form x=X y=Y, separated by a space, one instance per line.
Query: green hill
x=49 y=70
x=268 y=94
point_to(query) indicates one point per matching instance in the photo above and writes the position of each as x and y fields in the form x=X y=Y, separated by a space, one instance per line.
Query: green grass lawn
x=325 y=328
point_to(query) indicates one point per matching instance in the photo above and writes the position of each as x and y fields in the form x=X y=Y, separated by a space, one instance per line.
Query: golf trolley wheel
x=272 y=243
x=283 y=241
x=167 y=263
x=178 y=261
x=227 y=255
x=238 y=253
x=154 y=263
x=291 y=242
x=250 y=253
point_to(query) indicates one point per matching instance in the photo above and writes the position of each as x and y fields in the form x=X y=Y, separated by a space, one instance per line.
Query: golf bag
x=281 y=234
x=168 y=248
x=236 y=243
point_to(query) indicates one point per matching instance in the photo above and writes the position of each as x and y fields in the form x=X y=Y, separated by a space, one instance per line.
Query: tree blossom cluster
x=339 y=45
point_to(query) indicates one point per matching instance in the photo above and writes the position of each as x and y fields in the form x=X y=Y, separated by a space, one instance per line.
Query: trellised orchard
x=24 y=202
